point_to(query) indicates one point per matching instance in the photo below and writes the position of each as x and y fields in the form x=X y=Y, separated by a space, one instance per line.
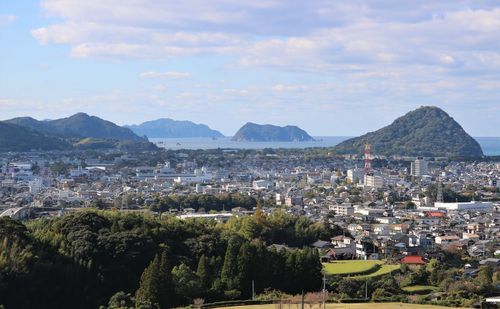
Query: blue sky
x=330 y=67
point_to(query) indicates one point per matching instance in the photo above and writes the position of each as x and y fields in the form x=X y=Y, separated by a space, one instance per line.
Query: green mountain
x=79 y=125
x=16 y=138
x=252 y=132
x=426 y=131
x=79 y=131
x=169 y=128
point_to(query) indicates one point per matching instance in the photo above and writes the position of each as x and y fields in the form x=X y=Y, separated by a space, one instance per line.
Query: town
x=400 y=208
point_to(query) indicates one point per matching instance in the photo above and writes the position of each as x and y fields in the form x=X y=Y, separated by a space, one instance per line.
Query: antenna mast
x=368 y=158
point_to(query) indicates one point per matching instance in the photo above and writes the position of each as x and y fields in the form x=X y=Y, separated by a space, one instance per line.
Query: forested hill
x=426 y=131
x=81 y=260
x=16 y=138
x=79 y=125
x=169 y=128
x=252 y=132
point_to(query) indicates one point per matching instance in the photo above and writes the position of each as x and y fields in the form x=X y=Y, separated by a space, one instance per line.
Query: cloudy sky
x=331 y=67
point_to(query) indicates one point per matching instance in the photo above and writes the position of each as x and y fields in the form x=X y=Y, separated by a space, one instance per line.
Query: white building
x=419 y=167
x=465 y=206
x=78 y=172
x=344 y=210
x=35 y=185
x=261 y=184
x=313 y=178
x=374 y=181
x=355 y=175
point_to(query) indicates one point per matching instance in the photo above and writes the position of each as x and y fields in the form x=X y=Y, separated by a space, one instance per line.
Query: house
x=413 y=260
x=446 y=239
x=321 y=244
x=364 y=247
x=492 y=262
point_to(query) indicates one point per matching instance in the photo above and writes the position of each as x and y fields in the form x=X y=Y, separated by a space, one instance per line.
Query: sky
x=331 y=67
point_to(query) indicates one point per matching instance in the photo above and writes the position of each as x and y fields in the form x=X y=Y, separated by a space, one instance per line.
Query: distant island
x=426 y=131
x=169 y=128
x=79 y=131
x=252 y=132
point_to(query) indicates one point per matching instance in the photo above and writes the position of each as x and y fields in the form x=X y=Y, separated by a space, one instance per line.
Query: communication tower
x=368 y=158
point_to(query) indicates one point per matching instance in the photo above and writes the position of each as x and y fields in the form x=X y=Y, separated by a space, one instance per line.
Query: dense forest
x=91 y=258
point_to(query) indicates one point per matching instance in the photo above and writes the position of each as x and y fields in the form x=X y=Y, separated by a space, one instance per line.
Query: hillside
x=252 y=132
x=169 y=128
x=426 y=131
x=79 y=125
x=16 y=138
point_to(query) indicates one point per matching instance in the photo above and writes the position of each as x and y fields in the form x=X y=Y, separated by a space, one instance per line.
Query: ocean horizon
x=490 y=145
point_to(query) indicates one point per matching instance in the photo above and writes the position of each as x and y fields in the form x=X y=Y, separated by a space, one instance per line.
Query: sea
x=490 y=145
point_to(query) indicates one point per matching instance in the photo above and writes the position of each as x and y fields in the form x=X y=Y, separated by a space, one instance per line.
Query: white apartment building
x=419 y=167
x=374 y=181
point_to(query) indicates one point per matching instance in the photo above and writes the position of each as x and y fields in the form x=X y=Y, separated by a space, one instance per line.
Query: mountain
x=426 y=131
x=169 y=128
x=17 y=138
x=79 y=125
x=252 y=132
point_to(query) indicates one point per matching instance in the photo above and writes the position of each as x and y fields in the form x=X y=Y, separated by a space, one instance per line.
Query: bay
x=490 y=145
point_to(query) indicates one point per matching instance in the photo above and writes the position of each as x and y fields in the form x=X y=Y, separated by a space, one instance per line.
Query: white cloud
x=164 y=75
x=6 y=19
x=363 y=55
x=295 y=35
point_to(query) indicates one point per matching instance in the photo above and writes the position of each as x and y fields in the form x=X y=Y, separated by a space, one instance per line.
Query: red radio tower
x=368 y=158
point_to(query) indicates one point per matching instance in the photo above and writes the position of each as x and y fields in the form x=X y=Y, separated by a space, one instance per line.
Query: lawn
x=419 y=288
x=351 y=306
x=347 y=267
x=383 y=270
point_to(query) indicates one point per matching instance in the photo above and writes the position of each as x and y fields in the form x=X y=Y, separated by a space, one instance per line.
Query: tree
x=186 y=282
x=149 y=286
x=229 y=271
x=204 y=273
x=121 y=300
x=155 y=287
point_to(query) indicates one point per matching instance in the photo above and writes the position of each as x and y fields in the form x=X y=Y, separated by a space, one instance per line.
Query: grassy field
x=350 y=267
x=420 y=288
x=383 y=270
x=351 y=306
x=359 y=269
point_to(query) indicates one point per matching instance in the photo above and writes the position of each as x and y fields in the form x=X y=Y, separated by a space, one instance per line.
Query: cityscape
x=337 y=155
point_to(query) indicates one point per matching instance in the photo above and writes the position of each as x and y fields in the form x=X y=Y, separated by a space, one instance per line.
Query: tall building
x=355 y=175
x=419 y=167
x=374 y=181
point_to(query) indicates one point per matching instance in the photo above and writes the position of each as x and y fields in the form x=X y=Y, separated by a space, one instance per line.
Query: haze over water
x=490 y=145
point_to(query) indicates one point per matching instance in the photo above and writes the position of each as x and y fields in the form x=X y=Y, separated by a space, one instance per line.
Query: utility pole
x=324 y=291
x=302 y=300
x=253 y=290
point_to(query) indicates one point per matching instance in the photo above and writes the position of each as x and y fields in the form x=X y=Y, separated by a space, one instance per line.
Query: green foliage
x=427 y=131
x=155 y=285
x=121 y=300
x=261 y=133
x=17 y=138
x=82 y=259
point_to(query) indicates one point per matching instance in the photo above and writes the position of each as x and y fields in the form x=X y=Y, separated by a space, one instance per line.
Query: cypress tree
x=229 y=270
x=204 y=273
x=167 y=295
x=149 y=286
